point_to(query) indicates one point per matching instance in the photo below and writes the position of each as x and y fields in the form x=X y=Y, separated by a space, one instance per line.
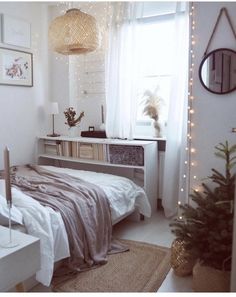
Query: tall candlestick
x=7 y=176
x=9 y=243
x=102 y=111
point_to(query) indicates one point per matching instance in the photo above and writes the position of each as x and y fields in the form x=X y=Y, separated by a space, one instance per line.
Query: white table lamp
x=53 y=109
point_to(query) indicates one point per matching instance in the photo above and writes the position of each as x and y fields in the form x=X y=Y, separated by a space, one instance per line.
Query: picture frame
x=16 y=68
x=15 y=31
x=91 y=128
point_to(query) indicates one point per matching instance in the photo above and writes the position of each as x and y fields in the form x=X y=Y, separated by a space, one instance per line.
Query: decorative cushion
x=16 y=215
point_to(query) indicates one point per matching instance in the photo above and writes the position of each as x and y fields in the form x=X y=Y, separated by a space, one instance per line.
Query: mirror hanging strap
x=223 y=9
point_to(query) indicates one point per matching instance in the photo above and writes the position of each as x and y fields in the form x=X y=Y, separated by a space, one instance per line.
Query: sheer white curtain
x=122 y=71
x=177 y=117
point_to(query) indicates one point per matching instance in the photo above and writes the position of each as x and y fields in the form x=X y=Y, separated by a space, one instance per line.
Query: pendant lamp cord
x=223 y=10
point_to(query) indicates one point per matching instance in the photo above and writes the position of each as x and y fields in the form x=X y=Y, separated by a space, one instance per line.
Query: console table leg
x=141 y=217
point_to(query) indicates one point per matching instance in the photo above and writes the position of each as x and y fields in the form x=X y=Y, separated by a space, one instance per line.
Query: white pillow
x=16 y=215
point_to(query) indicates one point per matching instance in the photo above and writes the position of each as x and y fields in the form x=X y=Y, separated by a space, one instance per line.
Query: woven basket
x=182 y=261
x=208 y=279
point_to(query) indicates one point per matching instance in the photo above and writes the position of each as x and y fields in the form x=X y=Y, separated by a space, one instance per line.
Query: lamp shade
x=75 y=32
x=53 y=108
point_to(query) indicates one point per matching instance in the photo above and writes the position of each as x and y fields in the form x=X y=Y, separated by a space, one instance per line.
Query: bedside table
x=18 y=263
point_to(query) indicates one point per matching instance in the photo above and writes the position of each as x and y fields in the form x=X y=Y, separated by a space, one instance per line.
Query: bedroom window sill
x=161 y=141
x=141 y=137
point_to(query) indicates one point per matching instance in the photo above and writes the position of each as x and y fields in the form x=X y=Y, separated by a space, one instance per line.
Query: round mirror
x=217 y=71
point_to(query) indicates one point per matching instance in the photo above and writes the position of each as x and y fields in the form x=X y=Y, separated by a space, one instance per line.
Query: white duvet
x=46 y=224
x=123 y=194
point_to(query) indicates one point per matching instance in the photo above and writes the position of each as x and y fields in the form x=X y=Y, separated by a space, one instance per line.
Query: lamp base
x=53 y=135
x=9 y=245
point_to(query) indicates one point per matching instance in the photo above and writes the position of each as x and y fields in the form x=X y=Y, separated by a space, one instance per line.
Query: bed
x=44 y=222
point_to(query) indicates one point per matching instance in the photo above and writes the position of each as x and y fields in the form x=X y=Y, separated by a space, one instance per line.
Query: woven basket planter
x=182 y=261
x=208 y=279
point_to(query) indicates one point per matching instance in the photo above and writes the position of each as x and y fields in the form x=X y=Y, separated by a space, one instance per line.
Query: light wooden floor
x=154 y=230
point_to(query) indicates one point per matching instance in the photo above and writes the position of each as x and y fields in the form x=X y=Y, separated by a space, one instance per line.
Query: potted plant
x=152 y=105
x=72 y=120
x=207 y=227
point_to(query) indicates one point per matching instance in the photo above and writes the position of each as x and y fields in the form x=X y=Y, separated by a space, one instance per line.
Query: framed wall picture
x=15 y=31
x=16 y=68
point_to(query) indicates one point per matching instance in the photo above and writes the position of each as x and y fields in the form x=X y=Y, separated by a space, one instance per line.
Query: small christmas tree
x=207 y=228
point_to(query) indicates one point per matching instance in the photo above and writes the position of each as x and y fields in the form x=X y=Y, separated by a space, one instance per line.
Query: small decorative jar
x=182 y=261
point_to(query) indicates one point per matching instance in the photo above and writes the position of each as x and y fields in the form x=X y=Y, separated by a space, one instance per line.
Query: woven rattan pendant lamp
x=74 y=33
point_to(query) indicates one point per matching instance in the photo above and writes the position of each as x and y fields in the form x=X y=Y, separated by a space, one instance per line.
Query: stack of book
x=66 y=148
x=102 y=152
x=86 y=151
x=95 y=151
x=74 y=149
x=59 y=148
x=50 y=147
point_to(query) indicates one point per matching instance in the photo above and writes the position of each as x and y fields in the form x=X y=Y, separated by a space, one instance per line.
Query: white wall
x=70 y=77
x=215 y=115
x=22 y=115
x=58 y=76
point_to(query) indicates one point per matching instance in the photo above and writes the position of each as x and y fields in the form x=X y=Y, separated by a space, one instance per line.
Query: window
x=140 y=59
x=155 y=46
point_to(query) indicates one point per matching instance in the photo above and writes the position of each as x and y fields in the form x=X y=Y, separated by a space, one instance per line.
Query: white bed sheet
x=123 y=194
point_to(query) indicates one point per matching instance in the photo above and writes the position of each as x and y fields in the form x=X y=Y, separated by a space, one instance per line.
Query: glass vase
x=74 y=131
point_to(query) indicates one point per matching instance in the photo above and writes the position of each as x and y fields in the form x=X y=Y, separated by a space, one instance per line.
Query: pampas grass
x=152 y=106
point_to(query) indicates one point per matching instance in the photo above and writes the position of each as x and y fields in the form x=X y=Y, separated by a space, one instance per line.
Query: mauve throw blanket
x=84 y=209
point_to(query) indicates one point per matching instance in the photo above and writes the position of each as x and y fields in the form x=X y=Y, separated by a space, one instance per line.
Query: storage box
x=95 y=134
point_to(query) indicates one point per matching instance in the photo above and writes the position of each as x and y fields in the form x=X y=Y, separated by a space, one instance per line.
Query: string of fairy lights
x=190 y=151
x=189 y=162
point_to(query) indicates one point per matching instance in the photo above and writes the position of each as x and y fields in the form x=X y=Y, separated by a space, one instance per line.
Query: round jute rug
x=142 y=269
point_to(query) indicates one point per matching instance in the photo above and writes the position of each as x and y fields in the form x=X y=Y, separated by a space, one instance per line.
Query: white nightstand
x=18 y=263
